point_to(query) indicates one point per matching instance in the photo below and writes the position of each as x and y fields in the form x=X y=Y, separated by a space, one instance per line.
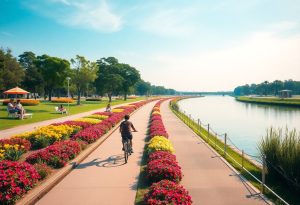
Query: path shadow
x=111 y=161
x=252 y=193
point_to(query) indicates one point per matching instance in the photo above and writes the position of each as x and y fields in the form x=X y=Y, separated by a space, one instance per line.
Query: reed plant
x=282 y=153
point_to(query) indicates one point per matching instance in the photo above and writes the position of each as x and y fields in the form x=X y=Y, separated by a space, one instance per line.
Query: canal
x=244 y=123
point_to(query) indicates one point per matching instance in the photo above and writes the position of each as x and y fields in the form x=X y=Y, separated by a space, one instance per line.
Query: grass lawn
x=45 y=111
x=295 y=102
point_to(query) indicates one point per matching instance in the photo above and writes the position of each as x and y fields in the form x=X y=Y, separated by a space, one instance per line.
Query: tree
x=131 y=76
x=54 y=71
x=142 y=87
x=33 y=80
x=11 y=73
x=84 y=72
x=108 y=78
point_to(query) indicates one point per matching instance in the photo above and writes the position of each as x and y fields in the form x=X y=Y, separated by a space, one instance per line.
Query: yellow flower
x=156 y=112
x=117 y=110
x=88 y=120
x=7 y=146
x=160 y=143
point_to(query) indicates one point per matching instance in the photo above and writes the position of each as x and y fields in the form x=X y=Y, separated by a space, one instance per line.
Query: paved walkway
x=208 y=179
x=103 y=178
x=29 y=127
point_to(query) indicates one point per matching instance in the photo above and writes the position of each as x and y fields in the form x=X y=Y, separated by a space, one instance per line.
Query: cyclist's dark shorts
x=126 y=136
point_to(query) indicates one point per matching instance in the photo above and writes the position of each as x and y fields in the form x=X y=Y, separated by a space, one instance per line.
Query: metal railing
x=206 y=132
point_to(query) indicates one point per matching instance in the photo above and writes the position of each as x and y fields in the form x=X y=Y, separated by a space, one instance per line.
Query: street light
x=68 y=79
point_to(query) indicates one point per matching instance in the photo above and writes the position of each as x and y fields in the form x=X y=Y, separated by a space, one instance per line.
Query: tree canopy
x=46 y=75
x=11 y=72
x=268 y=88
x=54 y=71
x=33 y=80
x=83 y=73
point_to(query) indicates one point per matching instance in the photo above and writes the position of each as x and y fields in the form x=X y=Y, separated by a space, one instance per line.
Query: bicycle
x=127 y=149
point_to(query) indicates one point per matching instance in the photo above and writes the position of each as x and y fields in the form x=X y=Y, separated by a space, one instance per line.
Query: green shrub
x=282 y=152
x=42 y=169
x=93 y=99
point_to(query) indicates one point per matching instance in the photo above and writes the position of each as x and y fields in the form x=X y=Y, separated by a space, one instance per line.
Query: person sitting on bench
x=62 y=109
x=20 y=109
x=11 y=107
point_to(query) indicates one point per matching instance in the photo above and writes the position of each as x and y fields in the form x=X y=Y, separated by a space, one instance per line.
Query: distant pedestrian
x=108 y=108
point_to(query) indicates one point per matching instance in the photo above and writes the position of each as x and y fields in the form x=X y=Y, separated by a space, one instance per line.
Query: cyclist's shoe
x=131 y=150
x=122 y=148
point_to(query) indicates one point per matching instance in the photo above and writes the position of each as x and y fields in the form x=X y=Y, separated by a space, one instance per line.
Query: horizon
x=206 y=45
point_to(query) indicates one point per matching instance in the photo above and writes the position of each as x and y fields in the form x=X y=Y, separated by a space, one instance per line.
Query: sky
x=195 y=45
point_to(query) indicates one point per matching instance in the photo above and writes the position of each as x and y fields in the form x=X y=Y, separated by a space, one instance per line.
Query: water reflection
x=245 y=123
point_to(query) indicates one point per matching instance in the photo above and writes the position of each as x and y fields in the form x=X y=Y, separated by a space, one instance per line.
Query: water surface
x=244 y=123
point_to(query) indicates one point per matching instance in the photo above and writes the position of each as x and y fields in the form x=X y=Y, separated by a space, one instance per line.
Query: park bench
x=12 y=114
x=60 y=111
x=27 y=115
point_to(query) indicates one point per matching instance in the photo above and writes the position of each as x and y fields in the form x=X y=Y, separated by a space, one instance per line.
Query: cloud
x=90 y=14
x=4 y=33
x=169 y=22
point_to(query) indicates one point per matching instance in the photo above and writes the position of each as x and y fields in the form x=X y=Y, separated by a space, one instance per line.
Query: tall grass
x=282 y=152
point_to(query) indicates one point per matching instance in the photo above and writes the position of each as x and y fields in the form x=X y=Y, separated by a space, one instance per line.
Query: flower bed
x=162 y=166
x=99 y=117
x=62 y=100
x=167 y=192
x=25 y=102
x=12 y=149
x=161 y=155
x=16 y=178
x=160 y=169
x=47 y=135
x=89 y=120
x=83 y=125
x=93 y=99
x=117 y=110
x=15 y=175
x=160 y=143
x=56 y=155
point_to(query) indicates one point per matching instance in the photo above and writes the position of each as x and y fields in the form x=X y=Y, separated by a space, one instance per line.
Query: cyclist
x=125 y=130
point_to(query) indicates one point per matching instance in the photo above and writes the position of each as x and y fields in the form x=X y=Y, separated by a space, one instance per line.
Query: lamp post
x=68 y=79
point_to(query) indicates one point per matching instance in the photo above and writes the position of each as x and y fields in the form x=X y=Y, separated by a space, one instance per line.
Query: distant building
x=285 y=93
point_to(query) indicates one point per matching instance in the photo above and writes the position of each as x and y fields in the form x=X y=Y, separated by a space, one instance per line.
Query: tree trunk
x=109 y=97
x=50 y=94
x=125 y=96
x=78 y=96
x=34 y=94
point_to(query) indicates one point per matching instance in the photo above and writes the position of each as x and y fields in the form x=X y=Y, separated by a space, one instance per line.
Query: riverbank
x=291 y=102
x=243 y=164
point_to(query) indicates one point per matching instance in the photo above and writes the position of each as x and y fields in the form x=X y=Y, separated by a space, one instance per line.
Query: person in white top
x=20 y=109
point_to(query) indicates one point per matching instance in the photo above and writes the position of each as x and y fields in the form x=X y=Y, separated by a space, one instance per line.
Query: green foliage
x=83 y=73
x=54 y=71
x=42 y=169
x=142 y=87
x=109 y=79
x=161 y=90
x=11 y=73
x=282 y=151
x=294 y=102
x=130 y=77
x=267 y=88
x=33 y=80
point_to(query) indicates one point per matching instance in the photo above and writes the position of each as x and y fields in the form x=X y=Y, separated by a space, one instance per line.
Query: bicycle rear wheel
x=126 y=151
